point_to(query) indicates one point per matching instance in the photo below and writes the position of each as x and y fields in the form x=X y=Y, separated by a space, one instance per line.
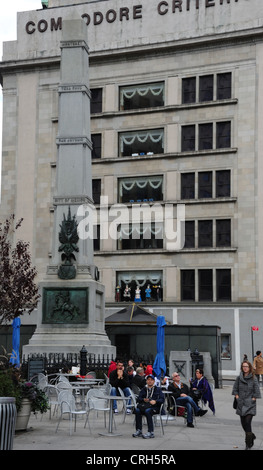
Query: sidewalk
x=221 y=431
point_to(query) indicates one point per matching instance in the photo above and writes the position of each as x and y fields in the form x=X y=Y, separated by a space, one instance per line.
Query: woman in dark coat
x=246 y=391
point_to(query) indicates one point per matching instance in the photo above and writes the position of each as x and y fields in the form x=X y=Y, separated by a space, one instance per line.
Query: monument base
x=69 y=318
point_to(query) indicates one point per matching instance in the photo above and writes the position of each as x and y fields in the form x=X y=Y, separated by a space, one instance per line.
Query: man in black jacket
x=181 y=394
x=119 y=379
x=150 y=400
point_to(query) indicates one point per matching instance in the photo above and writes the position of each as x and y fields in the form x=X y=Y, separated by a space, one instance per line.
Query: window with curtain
x=137 y=143
x=138 y=236
x=147 y=95
x=141 y=189
x=142 y=279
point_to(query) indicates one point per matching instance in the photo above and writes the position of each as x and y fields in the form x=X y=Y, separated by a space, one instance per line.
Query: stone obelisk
x=72 y=307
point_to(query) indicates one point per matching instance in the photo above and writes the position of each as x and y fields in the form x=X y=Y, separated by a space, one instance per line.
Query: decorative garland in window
x=141 y=90
x=140 y=277
x=129 y=183
x=155 y=135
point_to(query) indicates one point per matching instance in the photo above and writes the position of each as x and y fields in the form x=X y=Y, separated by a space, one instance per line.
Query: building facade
x=176 y=102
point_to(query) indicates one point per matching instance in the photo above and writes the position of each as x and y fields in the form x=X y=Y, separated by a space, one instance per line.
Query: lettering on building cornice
x=123 y=14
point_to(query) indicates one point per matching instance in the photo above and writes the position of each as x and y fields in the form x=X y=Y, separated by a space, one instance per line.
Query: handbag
x=235 y=403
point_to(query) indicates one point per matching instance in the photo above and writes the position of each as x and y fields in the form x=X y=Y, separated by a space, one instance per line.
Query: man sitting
x=150 y=400
x=139 y=379
x=180 y=392
x=119 y=379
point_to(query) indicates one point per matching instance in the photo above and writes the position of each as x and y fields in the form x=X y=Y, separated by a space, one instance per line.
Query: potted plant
x=29 y=398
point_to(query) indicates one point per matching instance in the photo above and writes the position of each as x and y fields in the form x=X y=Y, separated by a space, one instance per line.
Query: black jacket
x=177 y=391
x=116 y=382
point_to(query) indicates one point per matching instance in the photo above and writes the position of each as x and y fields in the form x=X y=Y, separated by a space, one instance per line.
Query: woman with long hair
x=246 y=391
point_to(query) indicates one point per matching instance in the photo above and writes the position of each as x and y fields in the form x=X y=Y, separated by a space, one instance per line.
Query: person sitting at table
x=139 y=379
x=200 y=389
x=180 y=392
x=119 y=379
x=149 y=400
x=130 y=372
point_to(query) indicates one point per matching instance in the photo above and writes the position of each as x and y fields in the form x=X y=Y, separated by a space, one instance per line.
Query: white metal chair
x=42 y=381
x=160 y=415
x=95 y=402
x=127 y=406
x=180 y=410
x=67 y=405
x=52 y=393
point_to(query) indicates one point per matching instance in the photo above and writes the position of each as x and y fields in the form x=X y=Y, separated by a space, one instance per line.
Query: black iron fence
x=53 y=363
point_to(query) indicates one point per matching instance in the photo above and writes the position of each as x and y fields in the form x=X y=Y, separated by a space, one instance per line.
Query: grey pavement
x=221 y=431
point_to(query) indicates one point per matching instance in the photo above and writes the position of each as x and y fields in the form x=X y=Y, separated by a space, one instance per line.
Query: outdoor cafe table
x=111 y=398
x=82 y=387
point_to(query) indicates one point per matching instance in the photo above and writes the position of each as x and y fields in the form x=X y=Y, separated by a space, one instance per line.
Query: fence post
x=83 y=361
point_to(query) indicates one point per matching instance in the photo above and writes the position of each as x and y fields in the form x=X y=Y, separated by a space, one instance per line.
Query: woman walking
x=246 y=391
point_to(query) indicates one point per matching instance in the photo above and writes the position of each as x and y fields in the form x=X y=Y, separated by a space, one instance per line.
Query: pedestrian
x=246 y=391
x=258 y=365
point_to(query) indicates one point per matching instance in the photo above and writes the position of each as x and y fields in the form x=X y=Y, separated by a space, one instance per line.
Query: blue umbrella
x=159 y=362
x=15 y=359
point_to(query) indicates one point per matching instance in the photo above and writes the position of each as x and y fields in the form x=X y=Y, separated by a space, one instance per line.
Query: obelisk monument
x=72 y=306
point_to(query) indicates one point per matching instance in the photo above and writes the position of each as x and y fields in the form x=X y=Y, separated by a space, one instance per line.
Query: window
x=205 y=184
x=205 y=136
x=132 y=279
x=223 y=183
x=140 y=236
x=188 y=138
x=225 y=346
x=189 y=234
x=96 y=238
x=224 y=86
x=141 y=189
x=205 y=233
x=206 y=88
x=189 y=90
x=223 y=284
x=223 y=135
x=205 y=279
x=187 y=284
x=96 y=191
x=205 y=140
x=146 y=142
x=142 y=96
x=187 y=185
x=205 y=284
x=96 y=146
x=223 y=232
x=205 y=85
x=96 y=100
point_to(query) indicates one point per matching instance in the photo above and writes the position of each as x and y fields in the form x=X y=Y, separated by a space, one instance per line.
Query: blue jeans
x=149 y=412
x=190 y=405
x=126 y=392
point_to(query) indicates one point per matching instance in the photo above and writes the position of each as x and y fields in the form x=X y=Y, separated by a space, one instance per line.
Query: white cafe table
x=82 y=387
x=111 y=398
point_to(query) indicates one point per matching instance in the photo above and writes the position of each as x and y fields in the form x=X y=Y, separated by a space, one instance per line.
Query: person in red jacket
x=112 y=367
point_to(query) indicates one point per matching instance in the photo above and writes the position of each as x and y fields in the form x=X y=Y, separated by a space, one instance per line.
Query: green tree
x=18 y=290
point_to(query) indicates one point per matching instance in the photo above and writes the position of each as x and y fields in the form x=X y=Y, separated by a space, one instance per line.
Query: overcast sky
x=8 y=32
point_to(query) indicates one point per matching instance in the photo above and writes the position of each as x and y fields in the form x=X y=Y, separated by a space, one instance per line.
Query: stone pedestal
x=70 y=317
x=181 y=362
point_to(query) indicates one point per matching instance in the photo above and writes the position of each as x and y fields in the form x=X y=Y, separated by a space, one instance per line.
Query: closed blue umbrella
x=15 y=358
x=159 y=365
